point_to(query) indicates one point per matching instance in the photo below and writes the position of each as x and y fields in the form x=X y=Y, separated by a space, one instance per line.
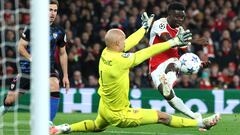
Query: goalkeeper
x=114 y=86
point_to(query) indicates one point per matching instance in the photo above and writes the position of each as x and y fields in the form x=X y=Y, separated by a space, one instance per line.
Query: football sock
x=54 y=102
x=183 y=122
x=5 y=107
x=83 y=126
x=3 y=110
x=178 y=104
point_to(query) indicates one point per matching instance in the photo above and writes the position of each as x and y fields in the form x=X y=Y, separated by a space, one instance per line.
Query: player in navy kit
x=57 y=40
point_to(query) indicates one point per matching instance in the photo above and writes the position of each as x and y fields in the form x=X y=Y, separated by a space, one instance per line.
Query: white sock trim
x=2 y=110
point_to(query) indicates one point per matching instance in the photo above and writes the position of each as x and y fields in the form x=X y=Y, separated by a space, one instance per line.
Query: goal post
x=40 y=67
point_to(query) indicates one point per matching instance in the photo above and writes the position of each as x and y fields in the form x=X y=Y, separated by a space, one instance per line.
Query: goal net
x=30 y=113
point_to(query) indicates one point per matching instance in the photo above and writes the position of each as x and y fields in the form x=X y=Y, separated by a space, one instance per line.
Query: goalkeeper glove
x=182 y=39
x=147 y=21
x=181 y=29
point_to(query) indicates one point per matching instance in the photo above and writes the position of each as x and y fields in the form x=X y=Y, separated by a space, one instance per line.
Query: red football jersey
x=160 y=27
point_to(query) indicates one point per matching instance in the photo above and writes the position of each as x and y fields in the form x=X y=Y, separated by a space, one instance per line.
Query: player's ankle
x=200 y=123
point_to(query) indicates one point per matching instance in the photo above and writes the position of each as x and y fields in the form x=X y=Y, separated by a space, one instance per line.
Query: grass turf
x=228 y=125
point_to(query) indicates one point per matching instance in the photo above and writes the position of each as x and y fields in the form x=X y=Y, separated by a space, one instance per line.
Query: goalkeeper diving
x=114 y=106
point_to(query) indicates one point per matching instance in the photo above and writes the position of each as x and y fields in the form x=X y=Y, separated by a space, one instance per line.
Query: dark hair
x=176 y=6
x=54 y=2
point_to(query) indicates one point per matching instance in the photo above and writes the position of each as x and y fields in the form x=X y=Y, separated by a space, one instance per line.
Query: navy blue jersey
x=57 y=39
x=25 y=64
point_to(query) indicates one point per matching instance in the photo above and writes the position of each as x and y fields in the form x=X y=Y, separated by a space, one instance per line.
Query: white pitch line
x=142 y=133
x=112 y=132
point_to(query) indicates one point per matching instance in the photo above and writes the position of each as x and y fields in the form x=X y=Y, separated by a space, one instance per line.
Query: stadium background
x=86 y=23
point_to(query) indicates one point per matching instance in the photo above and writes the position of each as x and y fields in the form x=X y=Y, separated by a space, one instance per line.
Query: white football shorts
x=171 y=76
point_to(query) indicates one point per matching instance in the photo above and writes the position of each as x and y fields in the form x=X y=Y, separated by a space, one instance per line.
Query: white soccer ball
x=189 y=63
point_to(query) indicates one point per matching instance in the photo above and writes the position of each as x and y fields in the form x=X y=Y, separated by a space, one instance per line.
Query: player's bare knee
x=54 y=84
x=163 y=117
x=9 y=101
x=54 y=88
x=11 y=98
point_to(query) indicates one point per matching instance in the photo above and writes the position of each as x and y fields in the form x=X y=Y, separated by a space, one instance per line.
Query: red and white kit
x=159 y=63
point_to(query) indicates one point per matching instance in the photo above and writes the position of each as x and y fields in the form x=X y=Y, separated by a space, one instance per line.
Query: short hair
x=176 y=6
x=54 y=2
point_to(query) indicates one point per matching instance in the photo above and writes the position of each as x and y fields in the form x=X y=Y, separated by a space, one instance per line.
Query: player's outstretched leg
x=83 y=126
x=173 y=100
x=181 y=122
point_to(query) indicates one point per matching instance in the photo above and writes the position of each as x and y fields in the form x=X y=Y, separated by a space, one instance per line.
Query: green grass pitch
x=229 y=125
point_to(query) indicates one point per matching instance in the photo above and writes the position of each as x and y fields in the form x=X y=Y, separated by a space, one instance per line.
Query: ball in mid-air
x=190 y=63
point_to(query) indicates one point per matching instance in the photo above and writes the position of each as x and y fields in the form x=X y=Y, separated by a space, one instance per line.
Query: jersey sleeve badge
x=162 y=26
x=125 y=55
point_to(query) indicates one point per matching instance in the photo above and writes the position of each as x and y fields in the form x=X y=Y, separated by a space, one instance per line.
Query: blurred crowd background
x=86 y=23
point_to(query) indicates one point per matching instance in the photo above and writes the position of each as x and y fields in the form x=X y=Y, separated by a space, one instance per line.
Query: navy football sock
x=54 y=102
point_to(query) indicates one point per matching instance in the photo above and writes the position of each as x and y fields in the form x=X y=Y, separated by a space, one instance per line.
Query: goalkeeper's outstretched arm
x=182 y=39
x=146 y=53
x=134 y=39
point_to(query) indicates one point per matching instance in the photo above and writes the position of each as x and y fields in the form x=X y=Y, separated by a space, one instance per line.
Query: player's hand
x=205 y=64
x=147 y=21
x=181 y=31
x=66 y=83
x=183 y=38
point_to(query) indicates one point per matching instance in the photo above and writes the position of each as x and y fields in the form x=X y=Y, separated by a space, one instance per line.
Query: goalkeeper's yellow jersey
x=114 y=71
x=114 y=78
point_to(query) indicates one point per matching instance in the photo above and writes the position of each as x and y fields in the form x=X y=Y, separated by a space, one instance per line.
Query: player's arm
x=134 y=39
x=22 y=45
x=182 y=39
x=64 y=65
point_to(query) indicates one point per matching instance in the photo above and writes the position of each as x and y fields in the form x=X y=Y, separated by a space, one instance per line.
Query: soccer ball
x=189 y=63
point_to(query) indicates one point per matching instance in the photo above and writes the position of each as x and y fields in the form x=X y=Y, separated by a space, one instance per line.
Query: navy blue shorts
x=22 y=82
